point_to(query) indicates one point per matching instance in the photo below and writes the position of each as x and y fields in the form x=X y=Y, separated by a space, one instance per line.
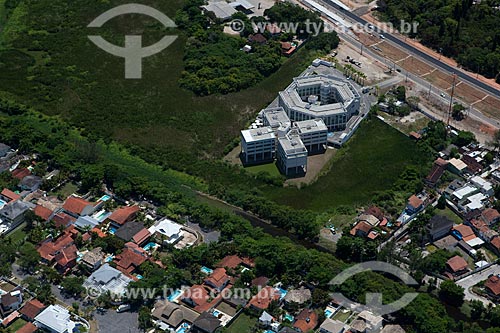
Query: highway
x=409 y=48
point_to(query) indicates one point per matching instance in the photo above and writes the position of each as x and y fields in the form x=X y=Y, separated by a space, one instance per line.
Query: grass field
x=16 y=326
x=243 y=323
x=371 y=162
x=449 y=214
x=270 y=168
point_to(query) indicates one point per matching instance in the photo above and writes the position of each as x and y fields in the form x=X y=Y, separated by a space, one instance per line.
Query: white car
x=382 y=36
x=123 y=308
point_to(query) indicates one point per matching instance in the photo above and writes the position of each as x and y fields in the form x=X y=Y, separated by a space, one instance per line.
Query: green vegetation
x=449 y=214
x=270 y=168
x=463 y=29
x=354 y=178
x=244 y=323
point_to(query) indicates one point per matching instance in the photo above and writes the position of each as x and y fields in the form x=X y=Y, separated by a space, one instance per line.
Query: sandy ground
x=373 y=69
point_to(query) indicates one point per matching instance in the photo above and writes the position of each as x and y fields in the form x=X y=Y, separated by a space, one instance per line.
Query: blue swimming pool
x=282 y=292
x=149 y=246
x=183 y=328
x=109 y=258
x=328 y=313
x=174 y=295
x=289 y=317
x=104 y=198
x=206 y=270
x=112 y=230
x=216 y=313
x=2 y=203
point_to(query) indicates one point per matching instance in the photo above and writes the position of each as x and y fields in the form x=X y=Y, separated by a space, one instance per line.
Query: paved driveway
x=113 y=322
x=468 y=282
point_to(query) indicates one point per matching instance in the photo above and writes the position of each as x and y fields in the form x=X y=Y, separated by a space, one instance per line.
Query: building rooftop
x=107 y=278
x=56 y=318
x=258 y=134
x=123 y=214
x=292 y=144
x=86 y=222
x=310 y=126
x=276 y=118
x=456 y=264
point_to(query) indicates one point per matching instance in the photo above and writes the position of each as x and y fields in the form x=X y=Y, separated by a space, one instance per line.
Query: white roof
x=476 y=201
x=481 y=263
x=481 y=182
x=56 y=318
x=458 y=164
x=109 y=279
x=258 y=134
x=221 y=9
x=463 y=192
x=166 y=227
x=475 y=242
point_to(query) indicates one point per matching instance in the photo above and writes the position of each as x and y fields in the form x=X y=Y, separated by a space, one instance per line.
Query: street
x=470 y=281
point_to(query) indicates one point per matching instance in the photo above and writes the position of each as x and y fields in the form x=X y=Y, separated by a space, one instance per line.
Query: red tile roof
x=99 y=232
x=75 y=205
x=490 y=215
x=375 y=211
x=124 y=214
x=10 y=195
x=306 y=321
x=42 y=212
x=20 y=173
x=197 y=294
x=230 y=262
x=141 y=236
x=32 y=309
x=128 y=261
x=218 y=278
x=67 y=256
x=457 y=264
x=48 y=250
x=493 y=285
x=466 y=232
x=361 y=226
x=495 y=242
x=415 y=201
x=263 y=298
x=28 y=328
x=62 y=219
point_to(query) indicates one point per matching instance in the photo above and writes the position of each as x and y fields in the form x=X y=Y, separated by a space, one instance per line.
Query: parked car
x=123 y=308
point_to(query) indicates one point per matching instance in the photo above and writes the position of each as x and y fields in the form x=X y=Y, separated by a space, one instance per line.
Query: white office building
x=332 y=99
x=258 y=145
x=292 y=154
x=277 y=119
x=313 y=133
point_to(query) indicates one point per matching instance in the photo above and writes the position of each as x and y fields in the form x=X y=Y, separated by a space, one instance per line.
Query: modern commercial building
x=277 y=119
x=313 y=133
x=258 y=145
x=332 y=99
x=292 y=154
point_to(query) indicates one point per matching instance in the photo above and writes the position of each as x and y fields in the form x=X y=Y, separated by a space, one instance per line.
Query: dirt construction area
x=373 y=69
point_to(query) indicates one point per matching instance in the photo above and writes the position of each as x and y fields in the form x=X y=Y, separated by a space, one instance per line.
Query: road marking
x=479 y=100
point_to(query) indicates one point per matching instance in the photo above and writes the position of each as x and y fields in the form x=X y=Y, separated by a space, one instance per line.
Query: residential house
x=263 y=298
x=93 y=259
x=414 y=205
x=265 y=319
x=128 y=261
x=439 y=226
x=491 y=216
x=370 y=219
x=218 y=279
x=495 y=244
x=361 y=229
x=133 y=231
x=375 y=211
x=300 y=297
x=49 y=249
x=492 y=287
x=166 y=231
x=11 y=301
x=62 y=220
x=206 y=323
x=30 y=183
x=230 y=262
x=8 y=196
x=257 y=38
x=86 y=223
x=55 y=319
x=332 y=326
x=260 y=281
x=107 y=278
x=123 y=215
x=373 y=322
x=76 y=207
x=31 y=309
x=44 y=213
x=172 y=315
x=196 y=297
x=457 y=266
x=12 y=214
x=457 y=166
x=438 y=168
x=306 y=321
x=66 y=259
x=20 y=173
